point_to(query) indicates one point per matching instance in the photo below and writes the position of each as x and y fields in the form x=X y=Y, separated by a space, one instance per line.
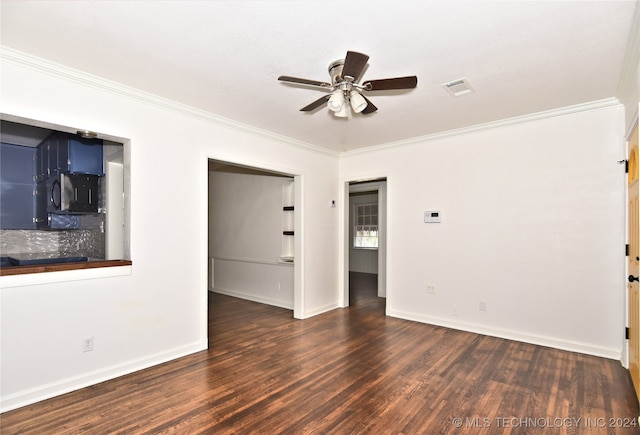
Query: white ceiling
x=521 y=57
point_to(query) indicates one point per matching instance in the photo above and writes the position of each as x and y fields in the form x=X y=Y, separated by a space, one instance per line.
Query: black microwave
x=70 y=193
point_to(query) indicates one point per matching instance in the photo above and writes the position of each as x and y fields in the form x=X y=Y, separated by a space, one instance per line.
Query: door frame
x=298 y=265
x=343 y=230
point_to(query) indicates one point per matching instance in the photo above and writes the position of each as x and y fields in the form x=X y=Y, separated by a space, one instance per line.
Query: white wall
x=628 y=91
x=157 y=310
x=245 y=237
x=533 y=225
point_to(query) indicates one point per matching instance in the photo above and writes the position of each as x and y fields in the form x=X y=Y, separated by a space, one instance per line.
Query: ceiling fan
x=344 y=87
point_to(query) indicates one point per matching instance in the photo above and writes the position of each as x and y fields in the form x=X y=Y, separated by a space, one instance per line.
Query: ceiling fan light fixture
x=336 y=101
x=358 y=103
x=343 y=112
x=345 y=89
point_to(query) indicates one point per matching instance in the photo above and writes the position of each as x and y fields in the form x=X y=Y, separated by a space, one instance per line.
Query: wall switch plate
x=431 y=289
x=483 y=306
x=432 y=217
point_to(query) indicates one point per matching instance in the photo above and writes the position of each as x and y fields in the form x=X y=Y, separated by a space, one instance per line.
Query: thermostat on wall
x=432 y=216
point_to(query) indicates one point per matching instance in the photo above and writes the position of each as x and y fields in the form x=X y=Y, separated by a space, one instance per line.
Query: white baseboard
x=273 y=302
x=63 y=386
x=321 y=310
x=254 y=298
x=556 y=343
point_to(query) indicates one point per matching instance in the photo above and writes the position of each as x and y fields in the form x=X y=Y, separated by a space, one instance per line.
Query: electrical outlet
x=278 y=285
x=431 y=289
x=483 y=306
x=87 y=344
x=454 y=311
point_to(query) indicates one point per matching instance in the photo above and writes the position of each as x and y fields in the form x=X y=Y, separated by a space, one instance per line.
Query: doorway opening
x=365 y=236
x=252 y=247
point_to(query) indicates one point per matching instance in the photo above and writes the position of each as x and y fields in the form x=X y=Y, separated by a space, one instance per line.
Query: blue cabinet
x=17 y=187
x=42 y=160
x=66 y=153
x=26 y=172
x=68 y=168
x=79 y=156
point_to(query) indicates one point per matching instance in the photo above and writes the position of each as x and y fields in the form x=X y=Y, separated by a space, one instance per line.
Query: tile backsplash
x=84 y=242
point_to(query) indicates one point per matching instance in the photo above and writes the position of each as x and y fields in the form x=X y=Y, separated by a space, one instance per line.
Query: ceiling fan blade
x=319 y=102
x=354 y=65
x=308 y=82
x=370 y=107
x=408 y=82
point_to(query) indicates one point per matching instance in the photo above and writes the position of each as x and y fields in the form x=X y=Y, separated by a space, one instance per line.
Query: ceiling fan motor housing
x=335 y=71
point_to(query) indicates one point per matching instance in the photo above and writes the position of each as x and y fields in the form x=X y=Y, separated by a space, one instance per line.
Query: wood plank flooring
x=348 y=371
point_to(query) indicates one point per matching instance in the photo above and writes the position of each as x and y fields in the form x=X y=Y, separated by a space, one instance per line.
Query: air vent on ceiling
x=459 y=87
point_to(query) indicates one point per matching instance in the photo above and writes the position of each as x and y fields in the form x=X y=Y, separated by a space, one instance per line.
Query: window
x=366 y=226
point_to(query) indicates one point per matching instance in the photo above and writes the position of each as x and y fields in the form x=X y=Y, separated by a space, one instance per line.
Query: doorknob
x=633 y=278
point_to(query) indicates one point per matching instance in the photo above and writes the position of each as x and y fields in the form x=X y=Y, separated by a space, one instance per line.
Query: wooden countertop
x=40 y=268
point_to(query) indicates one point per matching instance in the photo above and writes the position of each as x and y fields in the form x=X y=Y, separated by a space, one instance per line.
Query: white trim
x=57 y=388
x=36 y=63
x=321 y=310
x=29 y=279
x=258 y=165
x=274 y=262
x=42 y=65
x=204 y=262
x=555 y=343
x=254 y=298
x=594 y=105
x=298 y=250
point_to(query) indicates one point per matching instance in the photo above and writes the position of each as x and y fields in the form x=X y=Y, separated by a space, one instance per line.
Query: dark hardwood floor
x=344 y=372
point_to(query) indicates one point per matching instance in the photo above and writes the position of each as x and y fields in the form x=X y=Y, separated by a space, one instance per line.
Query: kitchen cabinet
x=17 y=201
x=28 y=176
x=66 y=153
x=42 y=167
x=65 y=157
x=77 y=155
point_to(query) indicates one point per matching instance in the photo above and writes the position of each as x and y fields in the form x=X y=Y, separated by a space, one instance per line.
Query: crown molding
x=61 y=71
x=70 y=74
x=594 y=105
